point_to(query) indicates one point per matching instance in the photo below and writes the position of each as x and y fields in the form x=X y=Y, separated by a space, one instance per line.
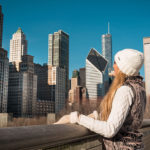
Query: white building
x=95 y=67
x=4 y=73
x=146 y=44
x=147 y=64
x=56 y=78
x=18 y=47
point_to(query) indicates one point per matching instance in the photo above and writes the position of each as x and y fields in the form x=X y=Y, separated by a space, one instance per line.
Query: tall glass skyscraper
x=58 y=53
x=107 y=54
x=1 y=25
x=95 y=68
x=4 y=73
x=107 y=49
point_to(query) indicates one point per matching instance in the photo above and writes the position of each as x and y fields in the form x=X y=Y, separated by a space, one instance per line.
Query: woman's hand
x=94 y=115
x=63 y=120
x=73 y=117
x=91 y=115
x=112 y=73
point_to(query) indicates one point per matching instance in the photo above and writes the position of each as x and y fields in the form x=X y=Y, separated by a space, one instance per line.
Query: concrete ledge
x=43 y=136
x=4 y=118
x=47 y=136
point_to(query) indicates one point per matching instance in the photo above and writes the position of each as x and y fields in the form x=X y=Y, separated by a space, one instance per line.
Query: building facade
x=1 y=26
x=77 y=94
x=44 y=107
x=4 y=73
x=58 y=53
x=43 y=89
x=146 y=45
x=107 y=49
x=18 y=47
x=56 y=80
x=45 y=103
x=22 y=91
x=95 y=68
x=82 y=77
x=107 y=54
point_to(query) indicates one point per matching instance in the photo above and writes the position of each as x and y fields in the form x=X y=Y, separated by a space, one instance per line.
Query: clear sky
x=84 y=20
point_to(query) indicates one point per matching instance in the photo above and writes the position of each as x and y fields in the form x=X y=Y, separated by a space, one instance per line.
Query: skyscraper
x=56 y=78
x=44 y=103
x=4 y=71
x=146 y=45
x=107 y=54
x=18 y=47
x=107 y=48
x=43 y=89
x=82 y=77
x=95 y=68
x=22 y=91
x=77 y=93
x=1 y=25
x=58 y=53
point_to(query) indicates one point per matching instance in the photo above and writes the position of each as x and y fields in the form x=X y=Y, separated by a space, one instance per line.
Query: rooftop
x=19 y=30
x=97 y=60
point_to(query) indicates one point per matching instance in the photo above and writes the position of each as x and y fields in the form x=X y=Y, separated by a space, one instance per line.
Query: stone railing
x=56 y=137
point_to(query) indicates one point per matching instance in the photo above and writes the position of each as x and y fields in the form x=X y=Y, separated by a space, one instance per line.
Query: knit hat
x=129 y=61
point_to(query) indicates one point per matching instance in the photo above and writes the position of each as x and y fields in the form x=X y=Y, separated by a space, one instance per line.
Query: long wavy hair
x=106 y=104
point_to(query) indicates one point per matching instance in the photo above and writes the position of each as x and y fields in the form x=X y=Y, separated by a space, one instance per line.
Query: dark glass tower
x=58 y=52
x=1 y=25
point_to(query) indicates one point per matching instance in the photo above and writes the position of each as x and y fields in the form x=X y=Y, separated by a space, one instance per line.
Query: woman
x=122 y=109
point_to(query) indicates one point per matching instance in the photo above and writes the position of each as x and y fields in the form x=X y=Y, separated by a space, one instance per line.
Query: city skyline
x=84 y=22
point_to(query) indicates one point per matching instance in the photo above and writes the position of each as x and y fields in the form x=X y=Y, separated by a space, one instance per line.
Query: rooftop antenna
x=108 y=28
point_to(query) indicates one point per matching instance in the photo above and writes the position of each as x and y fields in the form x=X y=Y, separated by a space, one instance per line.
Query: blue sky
x=84 y=20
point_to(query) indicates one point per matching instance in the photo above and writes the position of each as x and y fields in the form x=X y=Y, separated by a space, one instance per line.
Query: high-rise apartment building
x=1 y=26
x=56 y=79
x=18 y=47
x=4 y=71
x=95 y=68
x=58 y=53
x=146 y=45
x=22 y=91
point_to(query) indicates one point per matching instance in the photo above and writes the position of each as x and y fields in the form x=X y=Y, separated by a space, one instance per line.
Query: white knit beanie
x=129 y=61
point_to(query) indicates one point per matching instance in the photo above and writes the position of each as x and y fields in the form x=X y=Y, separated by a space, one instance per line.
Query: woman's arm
x=120 y=108
x=75 y=117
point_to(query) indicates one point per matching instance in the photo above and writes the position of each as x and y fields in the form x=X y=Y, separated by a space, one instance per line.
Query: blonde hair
x=106 y=104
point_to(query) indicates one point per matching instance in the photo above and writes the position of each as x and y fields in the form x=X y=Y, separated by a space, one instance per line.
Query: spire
x=108 y=28
x=19 y=30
